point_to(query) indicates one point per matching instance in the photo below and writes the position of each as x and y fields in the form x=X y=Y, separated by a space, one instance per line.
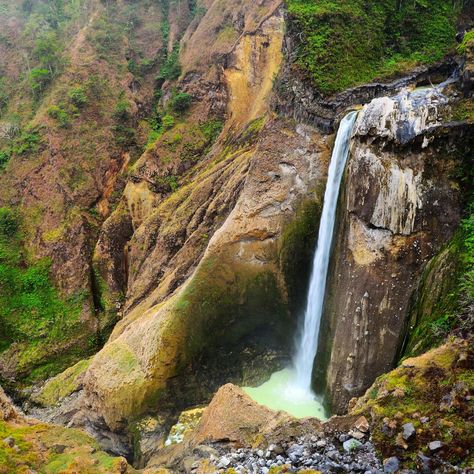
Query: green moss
x=216 y=305
x=62 y=385
x=467 y=42
x=445 y=294
x=34 y=450
x=409 y=393
x=350 y=42
x=34 y=318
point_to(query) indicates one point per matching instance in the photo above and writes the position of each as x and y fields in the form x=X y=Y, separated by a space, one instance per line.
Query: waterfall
x=308 y=342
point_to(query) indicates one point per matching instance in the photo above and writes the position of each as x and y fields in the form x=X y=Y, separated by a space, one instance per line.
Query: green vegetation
x=180 y=102
x=123 y=131
x=445 y=298
x=32 y=312
x=171 y=69
x=349 y=42
x=296 y=251
x=58 y=113
x=35 y=449
x=78 y=96
x=23 y=143
x=468 y=41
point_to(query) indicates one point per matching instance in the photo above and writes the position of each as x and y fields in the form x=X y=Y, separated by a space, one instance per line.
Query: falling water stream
x=290 y=389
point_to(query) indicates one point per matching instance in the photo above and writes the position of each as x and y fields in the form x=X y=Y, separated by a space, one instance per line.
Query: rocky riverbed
x=313 y=453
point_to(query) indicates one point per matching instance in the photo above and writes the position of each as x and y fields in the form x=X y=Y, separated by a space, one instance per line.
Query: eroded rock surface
x=399 y=204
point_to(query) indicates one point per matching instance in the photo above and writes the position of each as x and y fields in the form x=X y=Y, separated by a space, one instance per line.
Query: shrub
x=39 y=79
x=3 y=95
x=211 y=129
x=167 y=122
x=5 y=156
x=171 y=69
x=180 y=102
x=59 y=114
x=122 y=111
x=78 y=96
x=28 y=142
x=8 y=222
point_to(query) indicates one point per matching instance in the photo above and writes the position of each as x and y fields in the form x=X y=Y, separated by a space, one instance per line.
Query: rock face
x=400 y=202
x=207 y=265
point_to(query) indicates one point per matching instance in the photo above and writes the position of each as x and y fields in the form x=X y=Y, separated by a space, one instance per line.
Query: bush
x=180 y=102
x=28 y=142
x=78 y=96
x=39 y=79
x=59 y=114
x=8 y=222
x=171 y=69
x=3 y=95
x=122 y=111
x=167 y=122
x=5 y=156
x=211 y=129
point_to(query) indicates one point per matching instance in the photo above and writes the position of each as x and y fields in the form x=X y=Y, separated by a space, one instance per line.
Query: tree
x=47 y=52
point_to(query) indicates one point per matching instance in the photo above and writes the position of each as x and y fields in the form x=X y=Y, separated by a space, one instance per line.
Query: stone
x=357 y=434
x=423 y=463
x=409 y=431
x=232 y=415
x=391 y=465
x=435 y=446
x=224 y=462
x=203 y=451
x=400 y=442
x=295 y=450
x=58 y=448
x=10 y=442
x=424 y=419
x=321 y=443
x=351 y=445
x=362 y=424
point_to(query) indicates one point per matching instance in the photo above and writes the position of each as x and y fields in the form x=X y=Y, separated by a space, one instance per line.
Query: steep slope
x=169 y=174
x=78 y=77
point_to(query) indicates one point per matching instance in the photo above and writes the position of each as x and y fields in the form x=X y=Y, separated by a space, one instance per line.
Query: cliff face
x=401 y=202
x=207 y=264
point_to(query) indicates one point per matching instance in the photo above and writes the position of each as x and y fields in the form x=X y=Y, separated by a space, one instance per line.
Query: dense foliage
x=348 y=42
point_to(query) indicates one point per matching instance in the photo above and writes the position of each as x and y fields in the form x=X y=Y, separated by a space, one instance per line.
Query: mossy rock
x=62 y=385
x=435 y=386
x=53 y=450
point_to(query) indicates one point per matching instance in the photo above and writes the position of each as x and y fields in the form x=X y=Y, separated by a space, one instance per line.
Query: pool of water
x=280 y=393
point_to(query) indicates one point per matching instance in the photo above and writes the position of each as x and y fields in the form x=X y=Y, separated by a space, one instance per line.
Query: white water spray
x=308 y=343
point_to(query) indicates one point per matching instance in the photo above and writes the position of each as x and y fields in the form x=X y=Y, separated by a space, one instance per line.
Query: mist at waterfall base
x=290 y=389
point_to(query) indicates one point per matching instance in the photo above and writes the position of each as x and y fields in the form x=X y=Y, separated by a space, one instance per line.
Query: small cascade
x=290 y=389
x=308 y=342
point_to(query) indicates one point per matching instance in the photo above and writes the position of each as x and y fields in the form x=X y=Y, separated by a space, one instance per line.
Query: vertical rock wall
x=400 y=204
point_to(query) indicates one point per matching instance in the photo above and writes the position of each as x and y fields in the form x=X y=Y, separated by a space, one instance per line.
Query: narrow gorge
x=236 y=236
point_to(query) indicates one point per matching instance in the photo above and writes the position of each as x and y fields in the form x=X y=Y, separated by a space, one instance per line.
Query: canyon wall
x=401 y=202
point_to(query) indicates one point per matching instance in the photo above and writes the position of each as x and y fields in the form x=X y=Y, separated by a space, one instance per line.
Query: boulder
x=233 y=416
